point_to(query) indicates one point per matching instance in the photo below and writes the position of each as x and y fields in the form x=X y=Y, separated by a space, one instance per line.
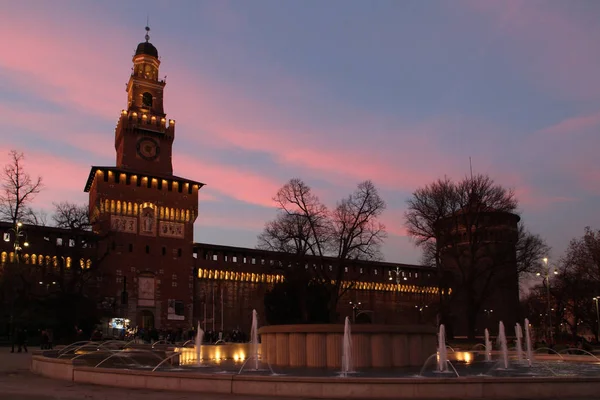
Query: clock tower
x=143 y=212
x=144 y=137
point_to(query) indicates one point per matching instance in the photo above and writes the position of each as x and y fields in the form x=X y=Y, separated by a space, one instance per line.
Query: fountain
x=528 y=343
x=519 y=336
x=254 y=339
x=488 y=346
x=198 y=344
x=442 y=352
x=557 y=376
x=347 y=349
x=502 y=344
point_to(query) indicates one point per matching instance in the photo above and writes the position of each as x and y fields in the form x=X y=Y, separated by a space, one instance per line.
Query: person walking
x=22 y=340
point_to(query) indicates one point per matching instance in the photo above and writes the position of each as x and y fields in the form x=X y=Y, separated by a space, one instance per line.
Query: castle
x=152 y=272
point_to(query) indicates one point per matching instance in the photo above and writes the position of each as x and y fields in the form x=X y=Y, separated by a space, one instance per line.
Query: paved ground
x=18 y=383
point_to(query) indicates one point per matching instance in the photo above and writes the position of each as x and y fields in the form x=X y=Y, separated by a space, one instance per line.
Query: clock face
x=148 y=148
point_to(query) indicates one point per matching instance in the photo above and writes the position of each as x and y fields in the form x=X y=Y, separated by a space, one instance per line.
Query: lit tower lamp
x=546 y=274
x=20 y=239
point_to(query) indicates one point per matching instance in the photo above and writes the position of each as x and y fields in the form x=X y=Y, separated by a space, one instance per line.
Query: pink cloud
x=60 y=128
x=47 y=60
x=63 y=180
x=554 y=49
x=230 y=181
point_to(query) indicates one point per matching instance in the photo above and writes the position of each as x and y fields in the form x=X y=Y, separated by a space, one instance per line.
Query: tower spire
x=147 y=37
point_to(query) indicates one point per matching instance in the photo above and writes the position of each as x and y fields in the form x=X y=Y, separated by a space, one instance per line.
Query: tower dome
x=147 y=47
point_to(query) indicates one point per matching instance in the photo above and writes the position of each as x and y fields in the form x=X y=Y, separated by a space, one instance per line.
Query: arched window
x=147 y=99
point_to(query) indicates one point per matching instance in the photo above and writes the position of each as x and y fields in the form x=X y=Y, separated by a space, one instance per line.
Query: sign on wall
x=146 y=291
x=171 y=229
x=175 y=310
x=123 y=224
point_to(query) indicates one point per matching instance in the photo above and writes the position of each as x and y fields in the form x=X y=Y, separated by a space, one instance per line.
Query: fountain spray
x=254 y=339
x=442 y=352
x=519 y=336
x=488 y=346
x=347 y=349
x=528 y=343
x=502 y=343
x=198 y=344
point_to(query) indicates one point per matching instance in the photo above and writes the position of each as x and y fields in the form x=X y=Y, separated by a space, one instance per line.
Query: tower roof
x=147 y=47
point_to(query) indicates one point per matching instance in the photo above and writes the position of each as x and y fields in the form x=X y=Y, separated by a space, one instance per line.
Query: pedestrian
x=22 y=340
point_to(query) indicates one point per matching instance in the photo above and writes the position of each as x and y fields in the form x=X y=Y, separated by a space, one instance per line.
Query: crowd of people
x=179 y=335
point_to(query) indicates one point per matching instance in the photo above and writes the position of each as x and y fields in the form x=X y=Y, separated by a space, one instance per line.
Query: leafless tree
x=576 y=285
x=18 y=191
x=531 y=248
x=449 y=221
x=71 y=216
x=306 y=227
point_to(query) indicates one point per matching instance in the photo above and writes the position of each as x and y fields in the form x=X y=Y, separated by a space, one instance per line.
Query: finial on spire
x=147 y=37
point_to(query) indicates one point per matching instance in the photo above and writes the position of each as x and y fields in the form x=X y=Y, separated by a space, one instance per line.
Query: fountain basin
x=373 y=346
x=468 y=387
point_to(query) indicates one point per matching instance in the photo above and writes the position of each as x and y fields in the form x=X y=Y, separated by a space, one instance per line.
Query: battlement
x=130 y=120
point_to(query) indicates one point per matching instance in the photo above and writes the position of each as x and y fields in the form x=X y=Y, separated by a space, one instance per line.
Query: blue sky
x=399 y=92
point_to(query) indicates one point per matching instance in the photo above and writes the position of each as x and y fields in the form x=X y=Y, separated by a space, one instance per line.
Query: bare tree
x=306 y=227
x=452 y=223
x=577 y=283
x=71 y=216
x=18 y=191
x=531 y=248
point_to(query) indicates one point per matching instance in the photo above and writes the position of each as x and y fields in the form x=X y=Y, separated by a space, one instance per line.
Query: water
x=347 y=349
x=442 y=353
x=519 y=336
x=198 y=344
x=254 y=339
x=488 y=346
x=528 y=343
x=502 y=343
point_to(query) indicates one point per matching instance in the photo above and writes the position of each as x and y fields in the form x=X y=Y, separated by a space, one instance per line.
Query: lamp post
x=355 y=307
x=397 y=274
x=547 y=269
x=597 y=317
x=20 y=237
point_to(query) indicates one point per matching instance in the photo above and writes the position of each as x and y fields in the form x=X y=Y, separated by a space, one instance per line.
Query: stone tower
x=145 y=213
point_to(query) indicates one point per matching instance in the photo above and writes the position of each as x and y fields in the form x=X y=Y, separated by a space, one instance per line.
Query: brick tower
x=144 y=212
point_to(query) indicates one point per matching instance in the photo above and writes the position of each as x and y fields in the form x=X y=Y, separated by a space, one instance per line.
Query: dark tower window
x=164 y=251
x=147 y=249
x=147 y=99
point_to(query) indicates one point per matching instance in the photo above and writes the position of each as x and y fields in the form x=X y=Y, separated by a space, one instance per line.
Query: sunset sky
x=333 y=92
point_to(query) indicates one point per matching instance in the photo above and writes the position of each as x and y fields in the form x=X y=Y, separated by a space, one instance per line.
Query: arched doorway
x=147 y=319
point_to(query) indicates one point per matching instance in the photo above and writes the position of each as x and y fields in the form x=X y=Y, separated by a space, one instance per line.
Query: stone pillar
x=361 y=350
x=297 y=349
x=283 y=354
x=400 y=356
x=316 y=351
x=381 y=350
x=334 y=350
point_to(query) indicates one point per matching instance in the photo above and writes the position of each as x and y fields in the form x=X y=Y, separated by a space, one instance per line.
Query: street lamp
x=19 y=234
x=547 y=269
x=397 y=272
x=597 y=317
x=355 y=307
